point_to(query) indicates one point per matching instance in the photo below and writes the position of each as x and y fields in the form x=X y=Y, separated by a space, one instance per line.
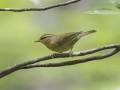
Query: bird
x=62 y=42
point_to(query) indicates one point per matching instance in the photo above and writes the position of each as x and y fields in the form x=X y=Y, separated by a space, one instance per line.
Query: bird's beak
x=37 y=41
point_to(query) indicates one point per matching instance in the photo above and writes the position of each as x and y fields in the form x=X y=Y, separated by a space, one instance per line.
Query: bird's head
x=44 y=38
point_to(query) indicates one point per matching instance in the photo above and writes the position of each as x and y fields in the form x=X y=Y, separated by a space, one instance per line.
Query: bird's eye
x=43 y=38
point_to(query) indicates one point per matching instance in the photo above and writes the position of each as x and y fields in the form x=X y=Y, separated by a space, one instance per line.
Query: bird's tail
x=87 y=32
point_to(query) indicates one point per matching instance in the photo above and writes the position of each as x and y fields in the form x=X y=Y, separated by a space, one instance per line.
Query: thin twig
x=40 y=9
x=33 y=63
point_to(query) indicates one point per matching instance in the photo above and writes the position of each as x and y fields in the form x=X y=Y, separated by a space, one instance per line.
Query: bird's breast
x=58 y=48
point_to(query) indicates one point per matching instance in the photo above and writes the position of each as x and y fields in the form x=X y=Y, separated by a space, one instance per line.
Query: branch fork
x=34 y=63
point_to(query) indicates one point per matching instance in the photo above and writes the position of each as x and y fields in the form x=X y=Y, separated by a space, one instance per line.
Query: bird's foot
x=71 y=54
x=53 y=55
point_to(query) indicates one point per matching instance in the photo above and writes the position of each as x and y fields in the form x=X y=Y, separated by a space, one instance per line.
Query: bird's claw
x=71 y=54
x=53 y=55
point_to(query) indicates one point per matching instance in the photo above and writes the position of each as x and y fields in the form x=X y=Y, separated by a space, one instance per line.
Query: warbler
x=62 y=42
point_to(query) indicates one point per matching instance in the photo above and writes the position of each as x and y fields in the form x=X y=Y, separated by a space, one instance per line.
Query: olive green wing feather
x=67 y=37
x=70 y=38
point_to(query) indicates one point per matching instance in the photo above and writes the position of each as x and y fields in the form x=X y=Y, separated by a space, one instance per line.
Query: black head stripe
x=45 y=36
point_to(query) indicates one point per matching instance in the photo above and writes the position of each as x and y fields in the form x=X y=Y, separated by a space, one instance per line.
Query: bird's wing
x=67 y=37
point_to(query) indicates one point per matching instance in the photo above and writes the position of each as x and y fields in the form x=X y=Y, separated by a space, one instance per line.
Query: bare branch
x=39 y=9
x=33 y=63
x=73 y=61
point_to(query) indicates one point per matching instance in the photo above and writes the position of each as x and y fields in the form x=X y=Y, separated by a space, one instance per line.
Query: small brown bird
x=62 y=42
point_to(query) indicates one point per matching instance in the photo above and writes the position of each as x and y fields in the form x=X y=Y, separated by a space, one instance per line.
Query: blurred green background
x=19 y=30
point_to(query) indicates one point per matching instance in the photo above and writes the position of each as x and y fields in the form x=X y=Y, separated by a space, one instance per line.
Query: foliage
x=106 y=11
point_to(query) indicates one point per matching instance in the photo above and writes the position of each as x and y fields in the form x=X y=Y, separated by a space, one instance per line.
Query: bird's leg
x=71 y=52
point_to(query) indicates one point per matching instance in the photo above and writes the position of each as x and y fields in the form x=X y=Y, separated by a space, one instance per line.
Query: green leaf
x=104 y=11
x=116 y=3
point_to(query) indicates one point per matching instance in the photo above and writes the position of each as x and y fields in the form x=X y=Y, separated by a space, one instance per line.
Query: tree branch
x=72 y=62
x=33 y=63
x=39 y=9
